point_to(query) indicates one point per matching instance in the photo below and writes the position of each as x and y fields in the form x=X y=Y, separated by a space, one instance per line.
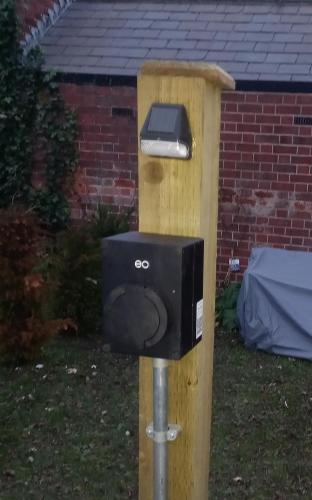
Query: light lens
x=164 y=148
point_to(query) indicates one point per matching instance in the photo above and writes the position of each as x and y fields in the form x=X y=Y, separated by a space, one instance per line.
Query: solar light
x=166 y=132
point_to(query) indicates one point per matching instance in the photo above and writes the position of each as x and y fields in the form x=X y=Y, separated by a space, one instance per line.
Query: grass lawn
x=68 y=430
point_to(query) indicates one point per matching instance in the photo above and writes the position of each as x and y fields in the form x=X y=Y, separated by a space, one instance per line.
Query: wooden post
x=180 y=197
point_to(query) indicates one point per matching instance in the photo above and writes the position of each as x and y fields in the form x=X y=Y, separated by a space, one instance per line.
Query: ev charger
x=152 y=294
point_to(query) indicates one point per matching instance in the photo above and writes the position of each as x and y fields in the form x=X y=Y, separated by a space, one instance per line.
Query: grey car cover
x=274 y=306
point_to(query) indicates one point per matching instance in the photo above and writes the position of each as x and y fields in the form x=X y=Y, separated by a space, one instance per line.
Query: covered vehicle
x=274 y=306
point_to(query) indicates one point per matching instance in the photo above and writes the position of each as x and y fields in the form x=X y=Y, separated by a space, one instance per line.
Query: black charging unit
x=152 y=294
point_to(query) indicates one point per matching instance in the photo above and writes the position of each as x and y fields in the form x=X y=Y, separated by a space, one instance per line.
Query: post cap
x=210 y=72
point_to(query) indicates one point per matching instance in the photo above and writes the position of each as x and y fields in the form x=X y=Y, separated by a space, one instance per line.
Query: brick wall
x=265 y=175
x=107 y=147
x=265 y=166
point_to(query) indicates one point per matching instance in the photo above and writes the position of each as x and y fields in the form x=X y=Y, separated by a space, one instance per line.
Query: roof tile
x=114 y=62
x=211 y=16
x=267 y=18
x=269 y=47
x=305 y=58
x=277 y=28
x=201 y=35
x=288 y=37
x=192 y=55
x=145 y=33
x=259 y=37
x=174 y=34
x=302 y=28
x=183 y=16
x=124 y=6
x=193 y=25
x=211 y=45
x=155 y=43
x=211 y=7
x=298 y=47
x=157 y=16
x=297 y=19
x=94 y=32
x=252 y=40
x=162 y=54
x=302 y=69
x=240 y=46
x=77 y=51
x=281 y=58
x=304 y=9
x=250 y=56
x=137 y=24
x=238 y=18
x=118 y=33
x=165 y=25
x=250 y=27
x=183 y=44
x=230 y=36
x=228 y=8
x=171 y=7
x=257 y=9
x=286 y=9
x=119 y=52
x=222 y=56
x=262 y=67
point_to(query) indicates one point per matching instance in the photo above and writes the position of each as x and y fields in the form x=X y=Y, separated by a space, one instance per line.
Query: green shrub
x=25 y=322
x=75 y=269
x=37 y=130
x=226 y=302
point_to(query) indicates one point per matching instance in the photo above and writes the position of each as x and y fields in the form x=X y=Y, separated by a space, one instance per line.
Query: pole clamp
x=162 y=437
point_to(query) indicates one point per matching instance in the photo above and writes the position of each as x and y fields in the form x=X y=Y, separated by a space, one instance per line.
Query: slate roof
x=266 y=41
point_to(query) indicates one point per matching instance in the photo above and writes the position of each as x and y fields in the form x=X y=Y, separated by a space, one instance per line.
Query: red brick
x=266 y=148
x=285 y=129
x=284 y=149
x=279 y=239
x=234 y=96
x=304 y=150
x=287 y=120
x=232 y=117
x=231 y=137
x=284 y=159
x=248 y=118
x=250 y=108
x=251 y=97
x=270 y=98
x=306 y=110
x=267 y=158
x=287 y=109
x=267 y=129
x=305 y=131
x=254 y=148
x=228 y=126
x=297 y=232
x=266 y=138
x=285 y=168
x=302 y=160
x=290 y=99
x=303 y=99
x=303 y=169
x=282 y=186
x=297 y=223
x=286 y=139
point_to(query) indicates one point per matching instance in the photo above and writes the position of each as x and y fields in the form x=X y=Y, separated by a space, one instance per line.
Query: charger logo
x=141 y=264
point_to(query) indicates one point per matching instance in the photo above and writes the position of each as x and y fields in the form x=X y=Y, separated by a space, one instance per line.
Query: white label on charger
x=142 y=264
x=199 y=318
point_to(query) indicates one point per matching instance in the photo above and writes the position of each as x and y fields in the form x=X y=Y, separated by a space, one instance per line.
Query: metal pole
x=160 y=424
